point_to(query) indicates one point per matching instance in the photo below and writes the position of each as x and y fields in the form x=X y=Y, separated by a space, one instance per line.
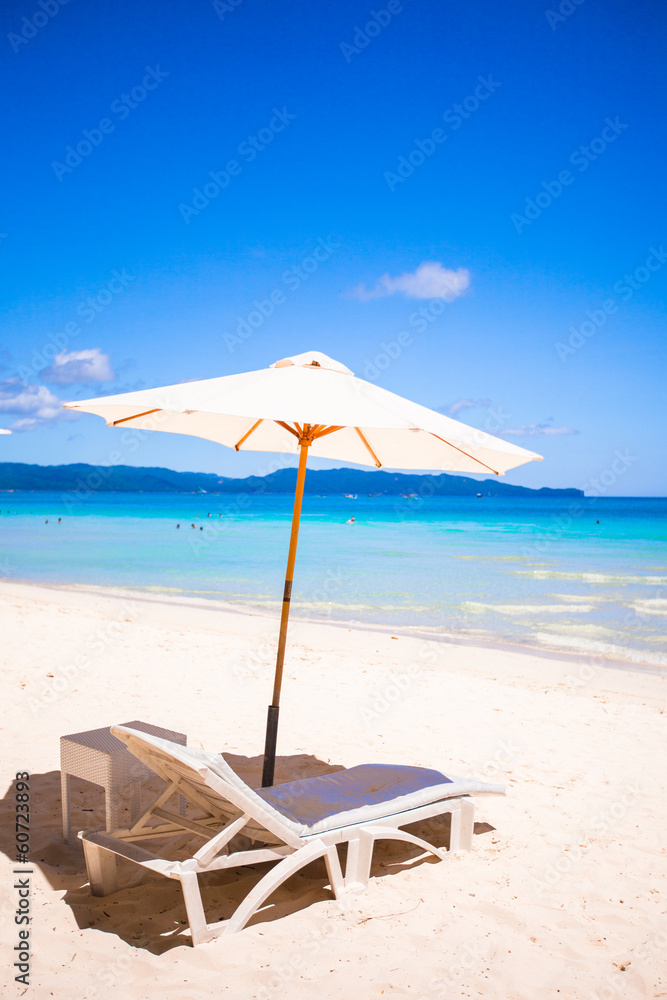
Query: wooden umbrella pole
x=272 y=718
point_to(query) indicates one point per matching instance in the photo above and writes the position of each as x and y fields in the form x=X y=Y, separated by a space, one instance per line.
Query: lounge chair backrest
x=207 y=780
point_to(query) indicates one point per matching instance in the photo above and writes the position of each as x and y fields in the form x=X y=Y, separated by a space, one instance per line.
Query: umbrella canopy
x=260 y=411
x=311 y=403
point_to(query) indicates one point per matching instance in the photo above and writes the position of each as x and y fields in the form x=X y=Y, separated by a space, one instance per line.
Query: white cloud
x=463 y=404
x=536 y=430
x=35 y=405
x=91 y=365
x=430 y=281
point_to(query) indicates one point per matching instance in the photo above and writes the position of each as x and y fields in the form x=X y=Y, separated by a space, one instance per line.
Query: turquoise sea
x=586 y=576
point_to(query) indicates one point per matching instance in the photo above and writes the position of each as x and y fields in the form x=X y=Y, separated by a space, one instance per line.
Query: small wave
x=582 y=629
x=528 y=609
x=651 y=606
x=513 y=558
x=580 y=598
x=595 y=647
x=543 y=574
x=306 y=605
x=155 y=589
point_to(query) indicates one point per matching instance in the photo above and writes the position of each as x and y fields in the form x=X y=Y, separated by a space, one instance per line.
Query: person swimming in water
x=351 y=521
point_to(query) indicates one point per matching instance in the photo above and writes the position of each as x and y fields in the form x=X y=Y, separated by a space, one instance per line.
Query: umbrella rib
x=281 y=423
x=494 y=471
x=369 y=449
x=327 y=430
x=247 y=434
x=123 y=420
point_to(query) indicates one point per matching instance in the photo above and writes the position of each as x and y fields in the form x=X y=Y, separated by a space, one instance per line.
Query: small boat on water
x=480 y=494
x=350 y=496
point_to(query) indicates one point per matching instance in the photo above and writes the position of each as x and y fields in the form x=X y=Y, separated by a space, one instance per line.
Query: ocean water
x=587 y=576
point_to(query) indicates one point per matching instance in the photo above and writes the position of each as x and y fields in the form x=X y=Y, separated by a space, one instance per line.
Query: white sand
x=561 y=895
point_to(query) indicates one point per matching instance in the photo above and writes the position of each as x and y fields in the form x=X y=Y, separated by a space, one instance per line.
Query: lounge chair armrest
x=131 y=852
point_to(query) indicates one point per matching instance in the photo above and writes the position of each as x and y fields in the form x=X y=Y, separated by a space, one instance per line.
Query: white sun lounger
x=292 y=824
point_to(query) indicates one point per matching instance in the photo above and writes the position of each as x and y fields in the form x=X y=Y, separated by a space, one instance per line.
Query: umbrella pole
x=274 y=707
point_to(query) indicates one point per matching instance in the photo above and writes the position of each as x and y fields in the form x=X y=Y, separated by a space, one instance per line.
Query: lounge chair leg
x=359 y=857
x=102 y=870
x=282 y=871
x=463 y=823
x=396 y=833
x=332 y=862
x=194 y=907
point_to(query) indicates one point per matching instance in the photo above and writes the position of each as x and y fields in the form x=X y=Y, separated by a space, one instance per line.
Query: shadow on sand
x=151 y=915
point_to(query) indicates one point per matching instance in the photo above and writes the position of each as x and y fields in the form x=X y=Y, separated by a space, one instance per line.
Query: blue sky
x=498 y=166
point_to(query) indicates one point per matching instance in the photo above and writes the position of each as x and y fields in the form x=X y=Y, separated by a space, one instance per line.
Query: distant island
x=85 y=479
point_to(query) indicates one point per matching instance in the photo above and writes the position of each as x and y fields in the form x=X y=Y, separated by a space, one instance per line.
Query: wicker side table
x=100 y=758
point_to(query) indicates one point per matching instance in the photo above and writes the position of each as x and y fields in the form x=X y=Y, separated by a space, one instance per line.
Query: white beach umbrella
x=309 y=403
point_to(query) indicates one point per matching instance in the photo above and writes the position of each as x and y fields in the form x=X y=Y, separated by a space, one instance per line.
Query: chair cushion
x=363 y=793
x=309 y=806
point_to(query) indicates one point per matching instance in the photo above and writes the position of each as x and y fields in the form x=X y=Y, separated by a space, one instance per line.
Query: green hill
x=132 y=479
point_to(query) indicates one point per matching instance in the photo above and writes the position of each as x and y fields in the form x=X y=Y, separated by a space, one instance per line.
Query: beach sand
x=563 y=894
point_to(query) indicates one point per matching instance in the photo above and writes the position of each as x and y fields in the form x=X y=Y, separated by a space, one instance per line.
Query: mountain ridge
x=82 y=478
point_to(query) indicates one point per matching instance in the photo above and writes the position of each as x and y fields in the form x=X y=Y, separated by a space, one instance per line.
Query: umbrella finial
x=312 y=359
